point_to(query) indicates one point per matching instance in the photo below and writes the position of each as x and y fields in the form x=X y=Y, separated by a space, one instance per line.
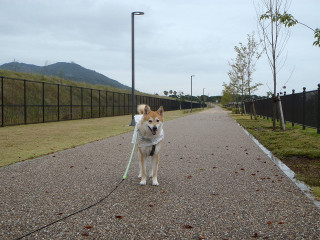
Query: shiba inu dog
x=149 y=130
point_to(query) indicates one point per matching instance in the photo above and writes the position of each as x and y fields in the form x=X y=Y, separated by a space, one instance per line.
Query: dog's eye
x=150 y=121
x=158 y=120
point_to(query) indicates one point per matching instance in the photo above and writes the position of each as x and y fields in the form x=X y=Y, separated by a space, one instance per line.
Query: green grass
x=290 y=143
x=316 y=192
x=22 y=142
x=298 y=149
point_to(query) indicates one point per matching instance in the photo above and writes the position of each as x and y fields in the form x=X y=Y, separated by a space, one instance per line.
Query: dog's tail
x=140 y=108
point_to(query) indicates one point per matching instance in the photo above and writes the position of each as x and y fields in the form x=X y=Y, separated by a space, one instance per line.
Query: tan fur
x=150 y=119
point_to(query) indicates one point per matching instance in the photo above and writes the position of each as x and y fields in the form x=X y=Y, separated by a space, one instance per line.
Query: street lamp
x=203 y=99
x=191 y=92
x=132 y=54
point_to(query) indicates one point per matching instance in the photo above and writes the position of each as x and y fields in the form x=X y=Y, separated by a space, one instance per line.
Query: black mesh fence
x=25 y=101
x=298 y=108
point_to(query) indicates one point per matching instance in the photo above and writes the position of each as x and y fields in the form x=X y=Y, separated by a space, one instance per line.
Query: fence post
x=58 y=102
x=318 y=127
x=81 y=102
x=43 y=102
x=124 y=104
x=292 y=103
x=71 y=113
x=112 y=103
x=25 y=101
x=99 y=103
x=304 y=109
x=106 y=103
x=2 y=104
x=284 y=94
x=91 y=103
x=128 y=103
x=119 y=104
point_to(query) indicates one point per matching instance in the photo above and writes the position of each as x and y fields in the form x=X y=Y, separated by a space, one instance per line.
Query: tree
x=288 y=20
x=181 y=98
x=170 y=91
x=165 y=93
x=251 y=55
x=175 y=93
x=243 y=67
x=274 y=39
x=236 y=76
x=229 y=94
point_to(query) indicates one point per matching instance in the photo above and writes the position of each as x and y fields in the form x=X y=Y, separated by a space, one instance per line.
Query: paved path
x=215 y=183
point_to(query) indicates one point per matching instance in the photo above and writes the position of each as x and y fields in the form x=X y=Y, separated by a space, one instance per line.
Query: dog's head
x=152 y=120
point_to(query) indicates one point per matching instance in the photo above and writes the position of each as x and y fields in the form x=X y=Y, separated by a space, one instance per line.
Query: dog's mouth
x=153 y=130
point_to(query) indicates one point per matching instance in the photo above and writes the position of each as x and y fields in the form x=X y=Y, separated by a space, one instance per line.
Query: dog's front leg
x=140 y=167
x=154 y=166
x=143 y=170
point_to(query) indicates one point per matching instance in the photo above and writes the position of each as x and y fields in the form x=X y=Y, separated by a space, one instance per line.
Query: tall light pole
x=191 y=92
x=132 y=54
x=203 y=99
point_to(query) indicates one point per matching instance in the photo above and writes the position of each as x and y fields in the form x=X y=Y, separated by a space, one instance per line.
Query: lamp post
x=191 y=92
x=203 y=98
x=132 y=54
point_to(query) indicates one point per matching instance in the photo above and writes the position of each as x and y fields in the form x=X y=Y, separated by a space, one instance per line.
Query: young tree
x=237 y=75
x=165 y=93
x=251 y=55
x=181 y=98
x=229 y=94
x=288 y=20
x=274 y=38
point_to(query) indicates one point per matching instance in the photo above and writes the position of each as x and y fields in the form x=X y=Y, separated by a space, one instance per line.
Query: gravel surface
x=215 y=183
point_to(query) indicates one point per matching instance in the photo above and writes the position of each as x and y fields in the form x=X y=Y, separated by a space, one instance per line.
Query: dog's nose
x=154 y=128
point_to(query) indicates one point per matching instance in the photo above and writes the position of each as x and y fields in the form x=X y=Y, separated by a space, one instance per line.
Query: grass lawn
x=298 y=149
x=19 y=143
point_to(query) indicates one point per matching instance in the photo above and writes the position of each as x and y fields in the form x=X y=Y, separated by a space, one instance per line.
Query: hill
x=71 y=71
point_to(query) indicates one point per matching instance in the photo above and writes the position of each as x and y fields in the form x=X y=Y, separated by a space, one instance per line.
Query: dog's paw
x=143 y=182
x=155 y=183
x=140 y=175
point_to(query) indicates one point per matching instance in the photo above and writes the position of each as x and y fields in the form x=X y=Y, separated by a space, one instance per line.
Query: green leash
x=130 y=159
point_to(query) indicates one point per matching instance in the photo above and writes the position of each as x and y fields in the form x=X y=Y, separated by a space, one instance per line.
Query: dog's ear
x=146 y=110
x=160 y=111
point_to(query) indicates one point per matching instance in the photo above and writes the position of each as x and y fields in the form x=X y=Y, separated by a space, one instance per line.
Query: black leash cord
x=72 y=214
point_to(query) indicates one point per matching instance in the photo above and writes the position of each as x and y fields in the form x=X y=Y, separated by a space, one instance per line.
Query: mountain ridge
x=70 y=71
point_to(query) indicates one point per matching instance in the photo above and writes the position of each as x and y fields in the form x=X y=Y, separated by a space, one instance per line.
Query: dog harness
x=153 y=149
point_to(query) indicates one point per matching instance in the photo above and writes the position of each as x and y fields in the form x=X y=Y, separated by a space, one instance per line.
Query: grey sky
x=174 y=39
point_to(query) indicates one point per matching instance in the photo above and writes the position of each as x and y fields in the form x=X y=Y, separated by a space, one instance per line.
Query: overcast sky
x=173 y=40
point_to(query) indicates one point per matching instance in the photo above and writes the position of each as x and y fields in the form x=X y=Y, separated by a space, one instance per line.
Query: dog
x=149 y=130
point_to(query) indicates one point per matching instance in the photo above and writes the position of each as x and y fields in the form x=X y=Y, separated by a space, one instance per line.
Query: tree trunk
x=274 y=112
x=254 y=111
x=282 y=123
x=251 y=108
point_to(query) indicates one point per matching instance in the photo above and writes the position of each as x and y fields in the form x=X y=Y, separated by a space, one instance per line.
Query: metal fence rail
x=24 y=101
x=298 y=108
